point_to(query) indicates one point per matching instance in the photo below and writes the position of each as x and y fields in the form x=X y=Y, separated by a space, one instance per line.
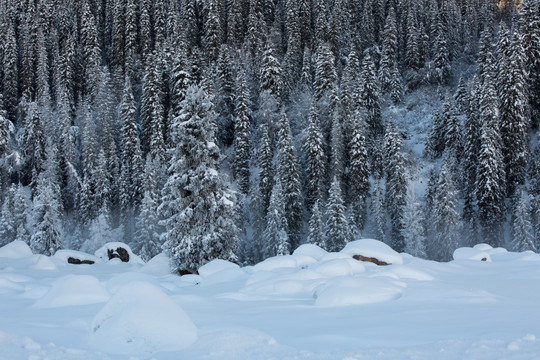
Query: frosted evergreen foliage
x=197 y=206
x=8 y=230
x=316 y=227
x=275 y=237
x=315 y=159
x=242 y=135
x=358 y=172
x=337 y=233
x=446 y=218
x=413 y=230
x=523 y=232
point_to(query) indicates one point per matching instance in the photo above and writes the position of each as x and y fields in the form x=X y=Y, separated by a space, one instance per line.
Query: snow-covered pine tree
x=275 y=237
x=337 y=233
x=242 y=134
x=530 y=28
x=377 y=218
x=513 y=112
x=315 y=159
x=369 y=96
x=8 y=231
x=33 y=145
x=152 y=111
x=523 y=232
x=131 y=188
x=412 y=229
x=148 y=232
x=289 y=176
x=197 y=206
x=389 y=52
x=47 y=238
x=446 y=218
x=337 y=148
x=316 y=227
x=358 y=171
x=396 y=184
x=490 y=178
x=20 y=215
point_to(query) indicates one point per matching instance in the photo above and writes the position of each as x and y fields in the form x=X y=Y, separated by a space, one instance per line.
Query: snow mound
x=15 y=250
x=102 y=252
x=43 y=262
x=347 y=291
x=73 y=290
x=339 y=267
x=310 y=250
x=467 y=253
x=373 y=248
x=158 y=265
x=286 y=261
x=216 y=266
x=64 y=255
x=140 y=318
x=408 y=272
x=290 y=282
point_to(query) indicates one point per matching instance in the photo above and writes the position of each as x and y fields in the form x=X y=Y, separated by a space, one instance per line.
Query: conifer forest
x=240 y=129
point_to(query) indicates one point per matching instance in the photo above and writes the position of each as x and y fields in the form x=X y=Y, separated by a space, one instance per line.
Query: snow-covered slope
x=309 y=305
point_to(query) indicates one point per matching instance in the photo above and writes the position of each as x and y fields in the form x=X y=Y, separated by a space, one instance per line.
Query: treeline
x=240 y=129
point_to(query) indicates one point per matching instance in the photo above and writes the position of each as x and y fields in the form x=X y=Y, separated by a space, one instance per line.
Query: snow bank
x=15 y=250
x=339 y=267
x=157 y=266
x=73 y=290
x=141 y=318
x=310 y=250
x=286 y=261
x=346 y=291
x=43 y=262
x=216 y=266
x=467 y=253
x=102 y=252
x=373 y=248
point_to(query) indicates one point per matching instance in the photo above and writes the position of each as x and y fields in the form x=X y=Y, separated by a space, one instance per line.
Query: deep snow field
x=310 y=305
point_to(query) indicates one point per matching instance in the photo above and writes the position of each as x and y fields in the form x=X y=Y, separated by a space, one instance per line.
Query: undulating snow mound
x=157 y=266
x=217 y=266
x=286 y=261
x=346 y=291
x=339 y=267
x=373 y=248
x=479 y=252
x=73 y=290
x=140 y=318
x=102 y=252
x=310 y=250
x=43 y=262
x=15 y=250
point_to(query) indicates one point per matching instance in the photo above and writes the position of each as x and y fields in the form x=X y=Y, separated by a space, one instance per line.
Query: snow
x=15 y=250
x=140 y=318
x=73 y=290
x=310 y=305
x=103 y=254
x=373 y=248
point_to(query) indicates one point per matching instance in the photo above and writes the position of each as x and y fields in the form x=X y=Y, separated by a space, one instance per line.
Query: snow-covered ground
x=310 y=305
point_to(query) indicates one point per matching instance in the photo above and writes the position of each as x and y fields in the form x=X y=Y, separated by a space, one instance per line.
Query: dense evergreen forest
x=239 y=129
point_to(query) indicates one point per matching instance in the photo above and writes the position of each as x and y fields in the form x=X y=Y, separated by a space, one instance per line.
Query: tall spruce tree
x=275 y=238
x=337 y=233
x=197 y=206
x=522 y=228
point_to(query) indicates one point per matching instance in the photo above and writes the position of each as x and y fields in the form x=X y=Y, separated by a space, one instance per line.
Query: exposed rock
x=371 y=260
x=76 y=261
x=120 y=253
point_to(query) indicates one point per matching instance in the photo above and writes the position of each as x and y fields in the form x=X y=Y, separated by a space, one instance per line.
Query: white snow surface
x=309 y=305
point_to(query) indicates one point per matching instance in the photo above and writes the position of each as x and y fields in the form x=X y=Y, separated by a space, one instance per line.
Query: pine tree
x=337 y=148
x=358 y=172
x=10 y=74
x=338 y=232
x=148 y=233
x=412 y=229
x=275 y=237
x=315 y=159
x=266 y=174
x=490 y=171
x=446 y=218
x=389 y=52
x=396 y=184
x=20 y=215
x=378 y=218
x=33 y=147
x=225 y=96
x=530 y=28
x=131 y=188
x=271 y=81
x=523 y=232
x=213 y=30
x=242 y=135
x=197 y=207
x=513 y=110
x=369 y=96
x=8 y=230
x=316 y=227
x=325 y=72
x=289 y=176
